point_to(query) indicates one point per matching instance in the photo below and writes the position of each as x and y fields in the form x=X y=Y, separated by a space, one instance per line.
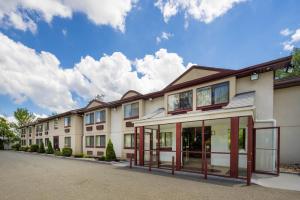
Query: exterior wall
x=194 y=74
x=287 y=114
x=264 y=92
x=116 y=130
x=94 y=132
x=232 y=91
x=153 y=105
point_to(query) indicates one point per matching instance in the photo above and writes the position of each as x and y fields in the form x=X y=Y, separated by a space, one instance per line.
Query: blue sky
x=248 y=32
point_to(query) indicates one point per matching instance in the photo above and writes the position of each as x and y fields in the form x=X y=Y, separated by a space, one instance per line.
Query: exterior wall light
x=254 y=76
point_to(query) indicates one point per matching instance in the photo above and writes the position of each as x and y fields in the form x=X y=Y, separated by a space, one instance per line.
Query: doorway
x=193 y=147
x=56 y=142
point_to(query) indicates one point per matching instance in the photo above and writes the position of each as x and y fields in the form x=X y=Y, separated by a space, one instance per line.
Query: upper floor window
x=131 y=110
x=40 y=128
x=67 y=121
x=180 y=101
x=89 y=118
x=30 y=129
x=100 y=116
x=55 y=123
x=47 y=126
x=215 y=94
x=23 y=131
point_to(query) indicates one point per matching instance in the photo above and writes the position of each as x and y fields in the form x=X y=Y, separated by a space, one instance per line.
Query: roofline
x=137 y=93
x=223 y=73
x=287 y=83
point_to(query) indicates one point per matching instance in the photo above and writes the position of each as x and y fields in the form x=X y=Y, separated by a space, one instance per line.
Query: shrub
x=67 y=151
x=80 y=155
x=110 y=152
x=34 y=148
x=42 y=148
x=102 y=158
x=24 y=148
x=49 y=148
x=16 y=147
x=57 y=152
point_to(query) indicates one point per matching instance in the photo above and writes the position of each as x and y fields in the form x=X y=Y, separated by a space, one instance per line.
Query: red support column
x=249 y=150
x=141 y=150
x=178 y=146
x=234 y=148
x=158 y=146
x=203 y=147
x=135 y=145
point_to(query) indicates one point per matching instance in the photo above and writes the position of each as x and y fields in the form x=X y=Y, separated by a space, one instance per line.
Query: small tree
x=110 y=152
x=49 y=148
x=42 y=148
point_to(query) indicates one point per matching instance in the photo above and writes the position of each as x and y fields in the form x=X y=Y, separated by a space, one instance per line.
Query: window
x=67 y=121
x=180 y=101
x=67 y=141
x=131 y=110
x=89 y=141
x=30 y=129
x=100 y=116
x=56 y=123
x=89 y=118
x=37 y=141
x=166 y=140
x=47 y=126
x=242 y=138
x=216 y=94
x=128 y=141
x=30 y=142
x=46 y=141
x=40 y=128
x=23 y=131
x=100 y=141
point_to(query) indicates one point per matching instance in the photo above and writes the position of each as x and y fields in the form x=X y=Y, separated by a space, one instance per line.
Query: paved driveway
x=25 y=176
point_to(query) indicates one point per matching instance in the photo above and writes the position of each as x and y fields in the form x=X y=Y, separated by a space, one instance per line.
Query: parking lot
x=33 y=176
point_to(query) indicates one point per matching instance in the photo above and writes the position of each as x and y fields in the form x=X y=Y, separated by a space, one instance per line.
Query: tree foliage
x=110 y=152
x=293 y=70
x=23 y=116
x=49 y=148
x=6 y=131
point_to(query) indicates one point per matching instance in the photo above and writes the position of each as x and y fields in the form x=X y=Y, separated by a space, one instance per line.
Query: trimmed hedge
x=23 y=148
x=16 y=147
x=67 y=151
x=80 y=155
x=57 y=152
x=34 y=148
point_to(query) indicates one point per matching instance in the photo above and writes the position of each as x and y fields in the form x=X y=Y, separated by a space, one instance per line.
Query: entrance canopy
x=160 y=118
x=241 y=105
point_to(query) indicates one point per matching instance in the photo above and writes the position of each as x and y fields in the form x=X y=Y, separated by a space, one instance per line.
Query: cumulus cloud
x=202 y=10
x=294 y=38
x=24 y=14
x=39 y=77
x=286 y=32
x=163 y=36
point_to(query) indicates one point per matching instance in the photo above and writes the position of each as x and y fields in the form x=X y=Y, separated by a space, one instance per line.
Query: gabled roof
x=95 y=102
x=197 y=71
x=130 y=93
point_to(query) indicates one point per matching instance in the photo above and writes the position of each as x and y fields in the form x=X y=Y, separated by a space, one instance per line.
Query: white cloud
x=64 y=32
x=163 y=36
x=289 y=45
x=38 y=76
x=202 y=10
x=286 y=32
x=23 y=14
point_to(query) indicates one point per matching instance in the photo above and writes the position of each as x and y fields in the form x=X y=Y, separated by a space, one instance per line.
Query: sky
x=57 y=55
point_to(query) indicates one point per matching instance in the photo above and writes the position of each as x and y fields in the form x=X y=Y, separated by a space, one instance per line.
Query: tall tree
x=23 y=116
x=6 y=132
x=293 y=70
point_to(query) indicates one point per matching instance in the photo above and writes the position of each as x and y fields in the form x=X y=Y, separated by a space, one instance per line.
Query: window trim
x=213 y=105
x=89 y=115
x=100 y=141
x=131 y=117
x=92 y=146
x=101 y=122
x=69 y=137
x=132 y=140
x=180 y=111
x=65 y=121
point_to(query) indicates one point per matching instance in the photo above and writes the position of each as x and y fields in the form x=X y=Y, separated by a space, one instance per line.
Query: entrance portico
x=213 y=142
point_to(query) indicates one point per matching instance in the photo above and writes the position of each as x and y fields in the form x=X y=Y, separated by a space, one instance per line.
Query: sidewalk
x=283 y=181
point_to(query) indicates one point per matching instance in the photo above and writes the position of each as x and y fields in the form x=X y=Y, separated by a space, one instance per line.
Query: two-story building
x=209 y=120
